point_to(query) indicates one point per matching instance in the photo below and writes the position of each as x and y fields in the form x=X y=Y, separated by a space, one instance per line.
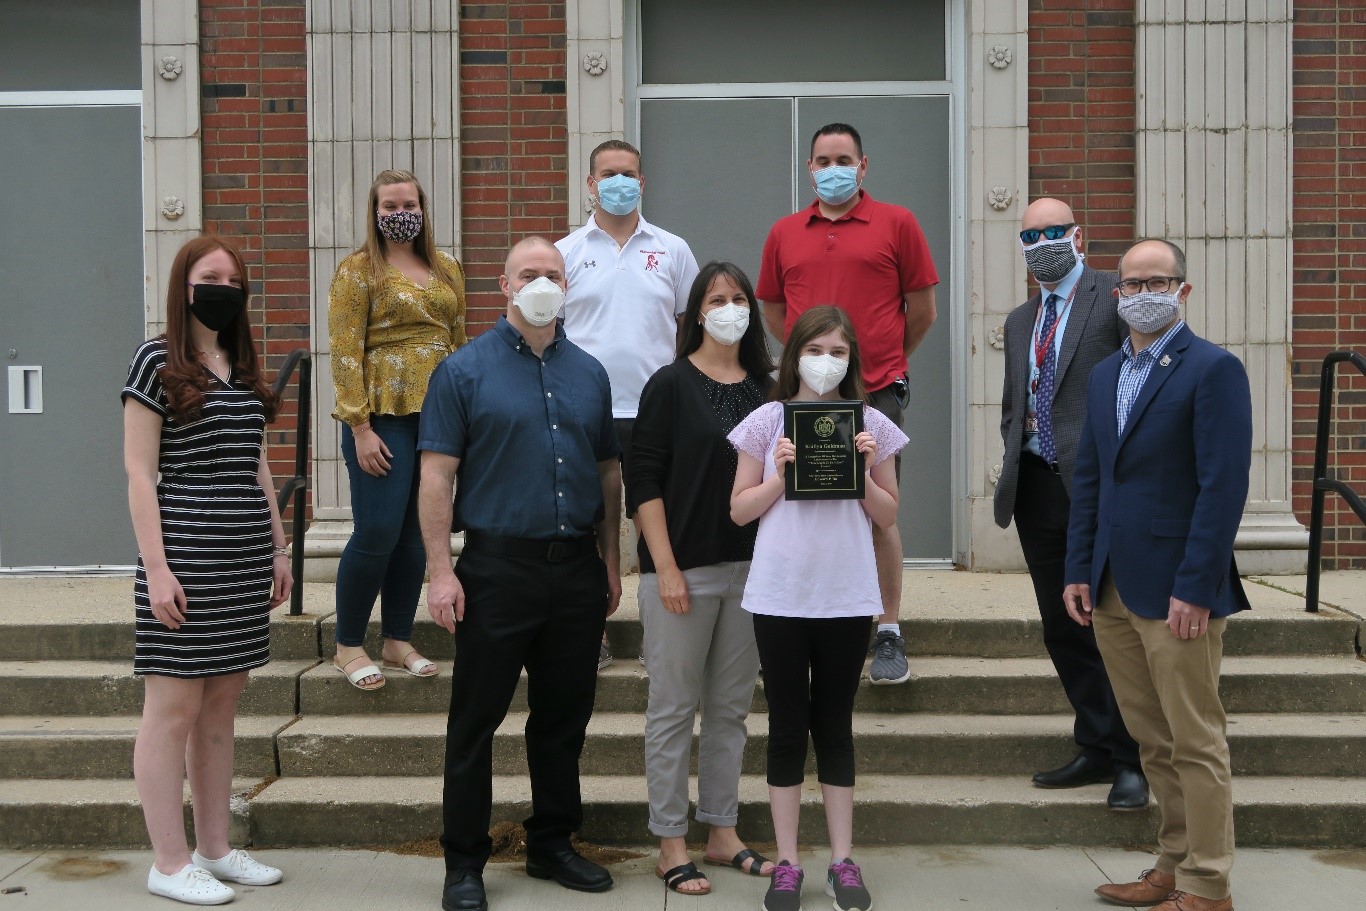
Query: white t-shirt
x=622 y=305
x=812 y=558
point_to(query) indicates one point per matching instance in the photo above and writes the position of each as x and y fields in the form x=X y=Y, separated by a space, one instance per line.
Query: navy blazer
x=1160 y=504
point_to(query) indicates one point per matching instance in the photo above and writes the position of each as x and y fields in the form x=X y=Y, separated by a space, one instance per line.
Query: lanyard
x=1041 y=345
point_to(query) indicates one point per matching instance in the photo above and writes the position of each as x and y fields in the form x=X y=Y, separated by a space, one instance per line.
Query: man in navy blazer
x=1158 y=492
x=1053 y=342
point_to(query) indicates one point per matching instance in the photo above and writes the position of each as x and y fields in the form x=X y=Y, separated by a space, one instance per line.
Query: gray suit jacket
x=1094 y=331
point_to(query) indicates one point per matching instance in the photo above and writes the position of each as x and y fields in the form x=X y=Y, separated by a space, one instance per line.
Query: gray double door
x=71 y=277
x=720 y=171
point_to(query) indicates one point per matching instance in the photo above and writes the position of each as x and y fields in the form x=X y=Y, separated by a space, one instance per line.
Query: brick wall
x=514 y=139
x=255 y=154
x=1081 y=116
x=1330 y=253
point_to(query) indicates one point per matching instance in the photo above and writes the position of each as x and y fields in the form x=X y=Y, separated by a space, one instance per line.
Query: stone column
x=383 y=90
x=997 y=190
x=1213 y=154
x=173 y=209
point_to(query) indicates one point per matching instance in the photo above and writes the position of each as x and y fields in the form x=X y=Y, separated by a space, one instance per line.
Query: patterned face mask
x=1051 y=260
x=1149 y=311
x=400 y=227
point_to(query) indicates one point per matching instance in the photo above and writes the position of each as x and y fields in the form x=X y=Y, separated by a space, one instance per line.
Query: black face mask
x=216 y=306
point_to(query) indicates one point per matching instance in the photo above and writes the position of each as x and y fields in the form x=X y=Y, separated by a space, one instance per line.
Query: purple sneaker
x=844 y=883
x=785 y=891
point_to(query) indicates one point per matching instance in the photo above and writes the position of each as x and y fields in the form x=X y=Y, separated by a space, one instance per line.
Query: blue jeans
x=384 y=557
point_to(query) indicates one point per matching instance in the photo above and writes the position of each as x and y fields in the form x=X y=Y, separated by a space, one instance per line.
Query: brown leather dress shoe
x=1151 y=887
x=1184 y=901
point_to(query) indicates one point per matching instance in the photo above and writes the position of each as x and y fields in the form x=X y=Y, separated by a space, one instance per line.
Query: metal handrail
x=1322 y=481
x=297 y=486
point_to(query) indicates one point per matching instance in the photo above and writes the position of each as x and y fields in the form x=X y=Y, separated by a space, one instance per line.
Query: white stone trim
x=383 y=91
x=172 y=157
x=1214 y=174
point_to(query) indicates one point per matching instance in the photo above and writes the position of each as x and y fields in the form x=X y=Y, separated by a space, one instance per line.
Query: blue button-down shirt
x=1134 y=370
x=1064 y=291
x=529 y=432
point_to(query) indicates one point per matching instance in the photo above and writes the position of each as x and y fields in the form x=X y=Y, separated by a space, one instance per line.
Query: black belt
x=552 y=550
x=1051 y=466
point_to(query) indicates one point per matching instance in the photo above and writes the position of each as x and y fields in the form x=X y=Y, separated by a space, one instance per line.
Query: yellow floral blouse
x=387 y=341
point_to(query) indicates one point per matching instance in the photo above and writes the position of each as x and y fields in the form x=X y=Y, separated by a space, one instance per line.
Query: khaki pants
x=1168 y=693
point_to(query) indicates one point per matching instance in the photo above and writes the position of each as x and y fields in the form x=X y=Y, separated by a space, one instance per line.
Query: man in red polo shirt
x=871 y=259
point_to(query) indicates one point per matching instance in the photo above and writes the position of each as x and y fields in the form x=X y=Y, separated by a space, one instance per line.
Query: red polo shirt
x=864 y=262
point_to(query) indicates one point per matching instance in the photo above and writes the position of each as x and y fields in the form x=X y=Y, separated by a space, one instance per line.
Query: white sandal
x=356 y=676
x=418 y=668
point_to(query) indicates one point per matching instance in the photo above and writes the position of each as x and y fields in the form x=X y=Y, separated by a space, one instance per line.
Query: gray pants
x=702 y=659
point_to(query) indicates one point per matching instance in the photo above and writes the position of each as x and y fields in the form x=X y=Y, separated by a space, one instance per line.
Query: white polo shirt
x=622 y=305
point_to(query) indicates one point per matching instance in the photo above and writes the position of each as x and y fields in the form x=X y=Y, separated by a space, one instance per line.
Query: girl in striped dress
x=211 y=563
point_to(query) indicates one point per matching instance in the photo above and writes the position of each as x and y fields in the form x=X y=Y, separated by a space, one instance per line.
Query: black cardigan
x=680 y=454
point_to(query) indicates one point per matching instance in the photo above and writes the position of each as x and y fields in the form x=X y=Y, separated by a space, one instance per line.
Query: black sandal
x=755 y=868
x=683 y=873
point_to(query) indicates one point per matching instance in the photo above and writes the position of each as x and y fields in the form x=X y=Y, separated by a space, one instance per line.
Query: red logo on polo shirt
x=652 y=259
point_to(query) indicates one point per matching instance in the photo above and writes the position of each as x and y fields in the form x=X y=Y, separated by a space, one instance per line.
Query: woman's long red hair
x=184 y=377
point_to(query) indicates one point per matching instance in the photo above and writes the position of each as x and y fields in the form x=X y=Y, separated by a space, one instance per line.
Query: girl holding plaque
x=699 y=642
x=813 y=592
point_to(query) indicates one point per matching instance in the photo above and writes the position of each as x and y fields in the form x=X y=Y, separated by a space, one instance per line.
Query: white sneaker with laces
x=238 y=867
x=192 y=885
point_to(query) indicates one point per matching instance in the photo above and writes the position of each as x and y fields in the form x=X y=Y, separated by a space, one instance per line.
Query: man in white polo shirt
x=628 y=284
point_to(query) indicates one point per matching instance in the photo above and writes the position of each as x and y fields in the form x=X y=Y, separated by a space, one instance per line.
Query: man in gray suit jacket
x=1053 y=340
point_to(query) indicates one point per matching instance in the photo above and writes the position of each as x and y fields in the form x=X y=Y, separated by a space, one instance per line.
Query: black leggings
x=811 y=675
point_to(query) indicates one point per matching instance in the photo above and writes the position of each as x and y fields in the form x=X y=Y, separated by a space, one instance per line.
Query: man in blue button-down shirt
x=1160 y=483
x=524 y=418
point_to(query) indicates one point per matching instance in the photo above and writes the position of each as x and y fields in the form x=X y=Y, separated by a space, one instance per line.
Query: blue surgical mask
x=619 y=194
x=836 y=184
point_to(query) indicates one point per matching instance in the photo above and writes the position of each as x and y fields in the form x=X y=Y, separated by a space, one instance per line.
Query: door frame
x=956 y=310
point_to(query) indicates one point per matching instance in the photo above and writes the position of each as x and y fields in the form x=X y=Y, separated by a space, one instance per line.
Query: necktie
x=1044 y=395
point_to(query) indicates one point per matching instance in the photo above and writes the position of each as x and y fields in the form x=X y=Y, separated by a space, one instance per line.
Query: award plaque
x=828 y=466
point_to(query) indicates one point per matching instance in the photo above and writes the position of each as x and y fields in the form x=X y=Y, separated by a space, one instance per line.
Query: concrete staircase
x=943 y=759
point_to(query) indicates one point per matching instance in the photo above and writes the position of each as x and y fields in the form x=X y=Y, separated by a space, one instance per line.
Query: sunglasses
x=1052 y=232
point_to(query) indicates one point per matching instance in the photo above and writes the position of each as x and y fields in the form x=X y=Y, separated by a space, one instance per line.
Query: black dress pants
x=547 y=617
x=1041 y=512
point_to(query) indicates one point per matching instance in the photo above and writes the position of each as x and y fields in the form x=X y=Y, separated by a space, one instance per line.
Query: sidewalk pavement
x=901 y=879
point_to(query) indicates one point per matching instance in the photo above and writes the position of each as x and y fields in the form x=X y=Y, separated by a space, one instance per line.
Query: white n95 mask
x=539 y=300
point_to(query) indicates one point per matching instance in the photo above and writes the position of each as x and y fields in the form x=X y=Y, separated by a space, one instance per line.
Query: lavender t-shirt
x=812 y=558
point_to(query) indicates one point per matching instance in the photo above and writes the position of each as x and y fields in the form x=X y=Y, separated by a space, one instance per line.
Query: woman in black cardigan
x=699 y=644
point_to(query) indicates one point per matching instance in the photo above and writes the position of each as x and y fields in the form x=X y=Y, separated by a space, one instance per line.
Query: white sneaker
x=238 y=867
x=192 y=885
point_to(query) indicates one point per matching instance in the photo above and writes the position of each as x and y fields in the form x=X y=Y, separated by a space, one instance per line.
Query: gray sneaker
x=604 y=654
x=889 y=660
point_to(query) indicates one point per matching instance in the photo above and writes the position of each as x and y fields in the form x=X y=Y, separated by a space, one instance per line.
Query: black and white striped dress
x=215 y=527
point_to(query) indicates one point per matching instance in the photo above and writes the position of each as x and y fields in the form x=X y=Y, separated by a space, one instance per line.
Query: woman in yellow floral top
x=396 y=309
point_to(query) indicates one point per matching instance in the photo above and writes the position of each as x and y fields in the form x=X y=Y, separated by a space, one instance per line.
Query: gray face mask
x=1051 y=260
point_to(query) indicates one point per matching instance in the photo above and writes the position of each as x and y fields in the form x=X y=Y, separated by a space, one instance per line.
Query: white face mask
x=540 y=301
x=821 y=372
x=1148 y=311
x=727 y=323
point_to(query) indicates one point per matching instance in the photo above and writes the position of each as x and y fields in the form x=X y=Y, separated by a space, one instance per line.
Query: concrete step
x=73 y=747
x=96 y=813
x=291 y=639
x=1004 y=636
x=896 y=809
x=106 y=688
x=961 y=614
x=906 y=809
x=993 y=686
x=1015 y=745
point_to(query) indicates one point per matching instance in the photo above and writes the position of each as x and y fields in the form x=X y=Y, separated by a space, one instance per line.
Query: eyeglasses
x=1158 y=284
x=1052 y=232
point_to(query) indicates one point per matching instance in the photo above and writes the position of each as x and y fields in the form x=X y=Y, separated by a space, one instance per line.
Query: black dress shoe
x=1080 y=771
x=569 y=868
x=464 y=891
x=1130 y=790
